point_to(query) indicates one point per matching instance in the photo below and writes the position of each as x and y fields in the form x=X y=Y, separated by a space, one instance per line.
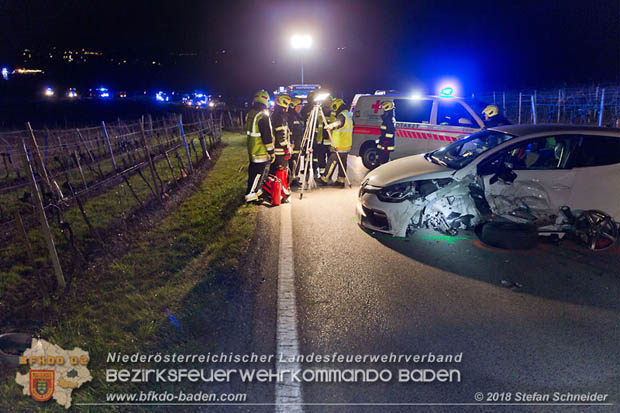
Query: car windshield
x=462 y=152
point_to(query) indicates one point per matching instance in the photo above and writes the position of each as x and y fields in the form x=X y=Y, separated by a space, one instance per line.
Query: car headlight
x=396 y=192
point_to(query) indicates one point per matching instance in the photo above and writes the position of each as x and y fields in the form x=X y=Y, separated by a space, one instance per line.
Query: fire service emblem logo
x=41 y=384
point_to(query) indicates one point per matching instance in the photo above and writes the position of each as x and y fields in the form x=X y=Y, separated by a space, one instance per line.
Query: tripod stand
x=307 y=143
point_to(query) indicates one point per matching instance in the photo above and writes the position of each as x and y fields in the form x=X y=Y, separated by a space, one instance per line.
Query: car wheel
x=371 y=158
x=509 y=235
x=596 y=230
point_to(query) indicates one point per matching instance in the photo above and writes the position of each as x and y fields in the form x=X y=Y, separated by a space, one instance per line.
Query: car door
x=453 y=120
x=596 y=163
x=542 y=177
x=412 y=119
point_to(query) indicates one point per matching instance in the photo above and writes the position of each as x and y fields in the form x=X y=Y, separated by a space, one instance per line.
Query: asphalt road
x=541 y=321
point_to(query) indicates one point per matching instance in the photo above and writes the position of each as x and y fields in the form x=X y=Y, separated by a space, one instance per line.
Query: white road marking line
x=288 y=393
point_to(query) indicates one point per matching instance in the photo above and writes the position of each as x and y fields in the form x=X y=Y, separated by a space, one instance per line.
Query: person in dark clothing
x=296 y=126
x=282 y=140
x=386 y=140
x=260 y=144
x=341 y=127
x=307 y=108
x=492 y=117
x=323 y=142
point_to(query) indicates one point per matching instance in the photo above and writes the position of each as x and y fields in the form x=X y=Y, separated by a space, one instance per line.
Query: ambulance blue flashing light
x=447 y=92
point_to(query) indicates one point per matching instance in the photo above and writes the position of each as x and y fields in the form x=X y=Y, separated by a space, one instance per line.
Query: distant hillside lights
x=23 y=71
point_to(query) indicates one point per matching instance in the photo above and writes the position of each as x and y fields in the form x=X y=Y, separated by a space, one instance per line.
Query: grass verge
x=185 y=266
x=26 y=279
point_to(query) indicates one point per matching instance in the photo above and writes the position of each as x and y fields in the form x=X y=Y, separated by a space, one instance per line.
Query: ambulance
x=423 y=123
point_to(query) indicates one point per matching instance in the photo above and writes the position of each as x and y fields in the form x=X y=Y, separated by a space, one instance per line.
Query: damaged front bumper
x=387 y=218
x=448 y=206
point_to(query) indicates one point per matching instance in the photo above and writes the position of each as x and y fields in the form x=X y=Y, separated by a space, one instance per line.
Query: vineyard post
x=152 y=136
x=149 y=159
x=107 y=142
x=203 y=143
x=168 y=140
x=189 y=159
x=79 y=165
x=38 y=158
x=520 y=95
x=533 y=110
x=210 y=129
x=43 y=219
x=221 y=123
x=596 y=95
x=600 y=112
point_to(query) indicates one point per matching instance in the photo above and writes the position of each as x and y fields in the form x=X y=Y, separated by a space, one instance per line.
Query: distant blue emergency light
x=447 y=91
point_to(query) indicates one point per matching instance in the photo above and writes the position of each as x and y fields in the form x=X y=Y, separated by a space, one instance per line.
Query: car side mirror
x=465 y=121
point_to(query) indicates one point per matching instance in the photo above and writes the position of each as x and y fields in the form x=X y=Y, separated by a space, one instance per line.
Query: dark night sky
x=387 y=44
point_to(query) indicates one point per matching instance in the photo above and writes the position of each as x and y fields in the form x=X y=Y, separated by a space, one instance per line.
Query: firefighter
x=305 y=115
x=492 y=118
x=323 y=142
x=260 y=144
x=282 y=141
x=296 y=126
x=307 y=108
x=386 y=140
x=342 y=137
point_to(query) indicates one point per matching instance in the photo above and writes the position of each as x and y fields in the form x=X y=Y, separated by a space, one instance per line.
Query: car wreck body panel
x=527 y=179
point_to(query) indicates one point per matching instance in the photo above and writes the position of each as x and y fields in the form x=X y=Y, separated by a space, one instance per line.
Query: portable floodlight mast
x=307 y=143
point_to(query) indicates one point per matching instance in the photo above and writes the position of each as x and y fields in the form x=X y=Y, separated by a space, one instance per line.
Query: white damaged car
x=512 y=183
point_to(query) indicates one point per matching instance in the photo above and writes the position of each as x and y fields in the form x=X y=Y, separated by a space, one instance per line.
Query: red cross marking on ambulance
x=376 y=106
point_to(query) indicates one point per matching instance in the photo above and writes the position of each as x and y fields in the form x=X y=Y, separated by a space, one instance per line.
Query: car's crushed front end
x=395 y=202
x=442 y=204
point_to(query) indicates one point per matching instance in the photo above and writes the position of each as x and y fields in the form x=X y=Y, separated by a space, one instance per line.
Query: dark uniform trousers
x=256 y=175
x=332 y=163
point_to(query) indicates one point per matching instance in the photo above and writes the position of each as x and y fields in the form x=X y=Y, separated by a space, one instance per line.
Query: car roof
x=528 y=129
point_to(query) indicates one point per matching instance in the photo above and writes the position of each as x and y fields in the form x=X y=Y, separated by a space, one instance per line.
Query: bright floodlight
x=321 y=97
x=301 y=41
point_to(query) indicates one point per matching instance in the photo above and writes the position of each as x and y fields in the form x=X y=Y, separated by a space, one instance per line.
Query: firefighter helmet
x=261 y=97
x=387 y=105
x=283 y=100
x=337 y=104
x=295 y=102
x=490 y=111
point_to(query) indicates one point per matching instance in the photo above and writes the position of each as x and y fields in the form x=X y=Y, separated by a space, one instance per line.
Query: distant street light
x=301 y=42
